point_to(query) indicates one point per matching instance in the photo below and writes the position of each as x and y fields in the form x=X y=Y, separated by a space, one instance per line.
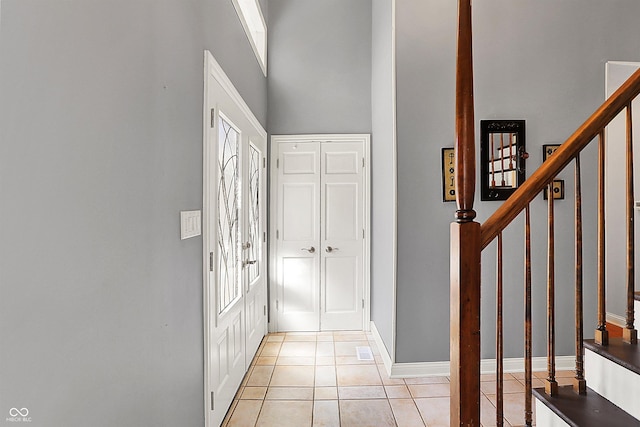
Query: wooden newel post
x=465 y=324
x=465 y=147
x=465 y=244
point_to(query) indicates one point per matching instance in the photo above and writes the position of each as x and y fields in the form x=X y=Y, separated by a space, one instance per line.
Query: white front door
x=320 y=226
x=233 y=225
x=254 y=247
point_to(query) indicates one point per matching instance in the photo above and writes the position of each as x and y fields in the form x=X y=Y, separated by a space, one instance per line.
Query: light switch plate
x=190 y=224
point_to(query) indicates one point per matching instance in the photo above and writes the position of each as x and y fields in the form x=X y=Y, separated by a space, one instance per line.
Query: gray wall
x=319 y=66
x=383 y=179
x=542 y=61
x=616 y=223
x=100 y=148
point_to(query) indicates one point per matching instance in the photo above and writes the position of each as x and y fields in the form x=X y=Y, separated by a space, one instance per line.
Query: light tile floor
x=315 y=379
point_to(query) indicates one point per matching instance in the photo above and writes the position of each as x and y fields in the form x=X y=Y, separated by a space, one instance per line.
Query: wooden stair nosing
x=590 y=410
x=637 y=296
x=626 y=355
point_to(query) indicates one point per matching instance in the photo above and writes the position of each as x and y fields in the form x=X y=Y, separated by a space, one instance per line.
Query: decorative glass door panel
x=253 y=211
x=255 y=215
x=228 y=206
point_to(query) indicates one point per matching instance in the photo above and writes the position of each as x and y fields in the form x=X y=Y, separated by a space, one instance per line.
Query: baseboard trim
x=616 y=320
x=442 y=369
x=420 y=369
x=382 y=348
x=487 y=366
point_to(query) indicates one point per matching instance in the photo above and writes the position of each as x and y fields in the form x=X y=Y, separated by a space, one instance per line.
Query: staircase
x=606 y=387
x=612 y=397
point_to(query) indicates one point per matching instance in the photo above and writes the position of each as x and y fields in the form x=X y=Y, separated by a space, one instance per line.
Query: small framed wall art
x=448 y=175
x=558 y=190
x=549 y=149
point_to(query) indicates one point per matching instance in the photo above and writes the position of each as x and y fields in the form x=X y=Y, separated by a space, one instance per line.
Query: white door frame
x=211 y=67
x=273 y=198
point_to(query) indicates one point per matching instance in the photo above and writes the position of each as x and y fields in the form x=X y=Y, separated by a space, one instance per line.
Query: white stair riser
x=545 y=417
x=613 y=382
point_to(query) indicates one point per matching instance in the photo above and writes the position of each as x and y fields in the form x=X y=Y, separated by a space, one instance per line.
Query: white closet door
x=320 y=227
x=341 y=274
x=298 y=237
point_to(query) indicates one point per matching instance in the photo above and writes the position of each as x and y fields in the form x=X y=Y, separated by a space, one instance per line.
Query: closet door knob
x=310 y=250
x=330 y=249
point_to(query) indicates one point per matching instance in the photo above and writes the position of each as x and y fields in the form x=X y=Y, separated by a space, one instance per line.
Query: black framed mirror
x=502 y=158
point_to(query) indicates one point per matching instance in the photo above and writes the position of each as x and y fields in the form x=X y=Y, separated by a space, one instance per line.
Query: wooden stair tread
x=590 y=410
x=637 y=296
x=626 y=355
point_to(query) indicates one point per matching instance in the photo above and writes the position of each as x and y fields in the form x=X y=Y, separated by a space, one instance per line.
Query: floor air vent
x=364 y=353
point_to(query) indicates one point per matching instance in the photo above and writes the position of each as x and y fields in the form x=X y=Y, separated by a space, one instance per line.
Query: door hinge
x=362 y=302
x=212 y=401
x=277 y=309
x=277 y=234
x=264 y=237
x=277 y=163
x=264 y=162
x=363 y=233
x=210 y=261
x=265 y=310
x=363 y=162
x=213 y=118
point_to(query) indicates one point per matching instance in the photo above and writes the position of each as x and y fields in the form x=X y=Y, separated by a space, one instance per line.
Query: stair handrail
x=517 y=202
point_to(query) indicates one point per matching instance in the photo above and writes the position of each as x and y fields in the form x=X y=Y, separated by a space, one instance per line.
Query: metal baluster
x=551 y=385
x=629 y=333
x=499 y=340
x=601 y=333
x=579 y=383
x=528 y=412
